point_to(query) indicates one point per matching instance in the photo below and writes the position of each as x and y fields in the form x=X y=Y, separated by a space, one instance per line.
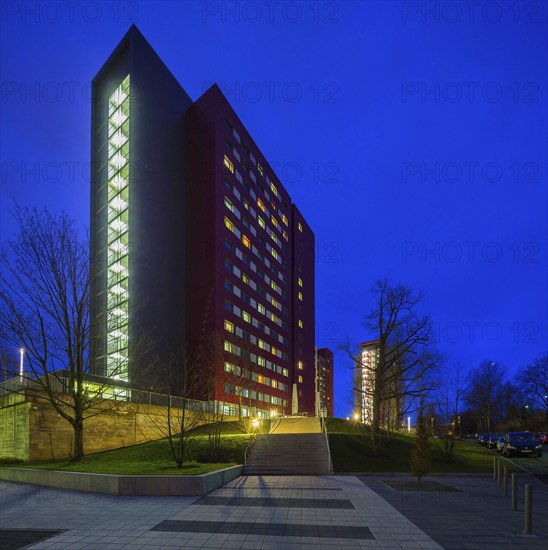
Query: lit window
x=284 y=233
x=274 y=220
x=274 y=253
x=262 y=344
x=273 y=317
x=260 y=379
x=261 y=361
x=229 y=205
x=273 y=350
x=299 y=225
x=246 y=205
x=246 y=317
x=300 y=324
x=245 y=278
x=273 y=189
x=300 y=379
x=274 y=302
x=229 y=326
x=261 y=309
x=284 y=219
x=260 y=168
x=261 y=222
x=300 y=296
x=285 y=372
x=274 y=383
x=229 y=164
x=300 y=365
x=229 y=224
x=300 y=281
x=246 y=241
x=117 y=359
x=260 y=204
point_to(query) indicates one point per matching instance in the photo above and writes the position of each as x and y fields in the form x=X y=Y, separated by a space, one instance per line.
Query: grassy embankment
x=350 y=445
x=351 y=451
x=154 y=458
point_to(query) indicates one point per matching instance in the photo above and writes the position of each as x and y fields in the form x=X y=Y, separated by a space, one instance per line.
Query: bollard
x=494 y=467
x=514 y=493
x=505 y=484
x=528 y=510
x=498 y=473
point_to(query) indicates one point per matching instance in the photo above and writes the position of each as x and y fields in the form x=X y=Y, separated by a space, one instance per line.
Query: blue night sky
x=415 y=143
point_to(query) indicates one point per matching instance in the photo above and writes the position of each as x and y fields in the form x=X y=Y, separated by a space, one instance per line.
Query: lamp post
x=21 y=361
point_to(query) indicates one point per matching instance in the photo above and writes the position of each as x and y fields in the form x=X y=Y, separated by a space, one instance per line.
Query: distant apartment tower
x=364 y=376
x=194 y=239
x=325 y=380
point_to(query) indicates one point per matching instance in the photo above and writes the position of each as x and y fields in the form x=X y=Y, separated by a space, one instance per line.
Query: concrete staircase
x=296 y=425
x=296 y=446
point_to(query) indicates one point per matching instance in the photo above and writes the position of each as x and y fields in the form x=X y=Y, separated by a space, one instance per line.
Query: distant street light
x=21 y=360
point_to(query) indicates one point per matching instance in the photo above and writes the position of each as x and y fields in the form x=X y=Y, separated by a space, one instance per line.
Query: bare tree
x=489 y=394
x=241 y=374
x=420 y=456
x=402 y=362
x=210 y=357
x=533 y=383
x=44 y=309
x=447 y=401
x=180 y=413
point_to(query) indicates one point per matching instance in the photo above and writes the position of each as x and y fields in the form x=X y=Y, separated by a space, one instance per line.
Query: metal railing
x=61 y=384
x=323 y=423
x=250 y=444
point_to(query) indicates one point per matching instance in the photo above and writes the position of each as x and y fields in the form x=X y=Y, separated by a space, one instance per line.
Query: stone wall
x=31 y=429
x=14 y=427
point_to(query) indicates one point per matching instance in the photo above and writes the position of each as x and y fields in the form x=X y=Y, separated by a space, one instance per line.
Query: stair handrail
x=323 y=423
x=248 y=448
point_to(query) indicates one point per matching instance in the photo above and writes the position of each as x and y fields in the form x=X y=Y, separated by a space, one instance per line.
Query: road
x=538 y=466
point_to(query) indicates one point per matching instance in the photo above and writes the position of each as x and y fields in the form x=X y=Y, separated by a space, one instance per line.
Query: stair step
x=290 y=453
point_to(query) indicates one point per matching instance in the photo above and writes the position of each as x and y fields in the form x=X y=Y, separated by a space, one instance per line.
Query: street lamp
x=21 y=359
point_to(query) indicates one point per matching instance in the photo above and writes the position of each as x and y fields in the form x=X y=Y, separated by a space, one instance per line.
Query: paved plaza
x=278 y=512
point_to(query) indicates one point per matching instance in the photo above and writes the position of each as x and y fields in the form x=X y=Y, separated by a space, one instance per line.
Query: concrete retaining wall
x=31 y=429
x=122 y=485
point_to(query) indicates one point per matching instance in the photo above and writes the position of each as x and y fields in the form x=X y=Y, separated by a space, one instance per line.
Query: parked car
x=500 y=444
x=492 y=441
x=521 y=444
x=543 y=438
x=482 y=439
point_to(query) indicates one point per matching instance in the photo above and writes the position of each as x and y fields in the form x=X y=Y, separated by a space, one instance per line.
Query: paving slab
x=281 y=513
x=300 y=512
x=475 y=515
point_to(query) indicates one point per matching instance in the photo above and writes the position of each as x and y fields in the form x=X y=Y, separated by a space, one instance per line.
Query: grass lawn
x=351 y=451
x=154 y=458
x=350 y=444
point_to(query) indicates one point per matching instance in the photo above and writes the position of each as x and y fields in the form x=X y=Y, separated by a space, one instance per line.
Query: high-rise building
x=325 y=380
x=194 y=239
x=364 y=376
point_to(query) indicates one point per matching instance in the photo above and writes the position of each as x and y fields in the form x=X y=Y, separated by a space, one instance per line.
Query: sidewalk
x=476 y=517
x=274 y=513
